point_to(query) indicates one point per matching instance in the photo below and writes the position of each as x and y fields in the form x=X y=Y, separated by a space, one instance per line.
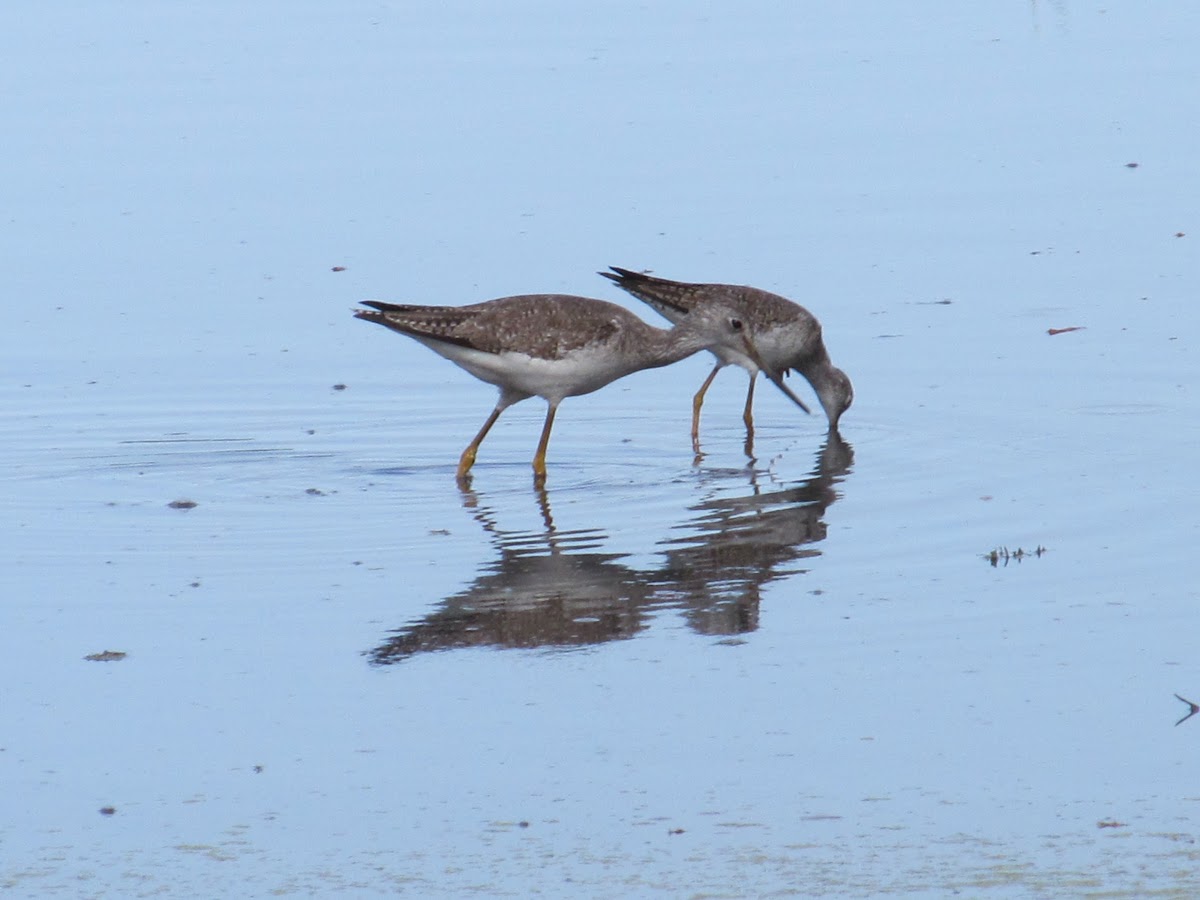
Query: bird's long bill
x=774 y=376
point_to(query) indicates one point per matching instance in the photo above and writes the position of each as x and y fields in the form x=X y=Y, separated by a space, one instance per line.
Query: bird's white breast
x=579 y=372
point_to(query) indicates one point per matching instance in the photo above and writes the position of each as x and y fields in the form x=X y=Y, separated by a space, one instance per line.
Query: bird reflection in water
x=735 y=545
x=548 y=588
x=553 y=588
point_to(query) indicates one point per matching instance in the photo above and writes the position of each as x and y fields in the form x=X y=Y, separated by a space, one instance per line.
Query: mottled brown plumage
x=545 y=326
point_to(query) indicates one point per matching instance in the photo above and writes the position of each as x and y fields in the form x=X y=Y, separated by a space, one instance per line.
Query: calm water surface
x=789 y=673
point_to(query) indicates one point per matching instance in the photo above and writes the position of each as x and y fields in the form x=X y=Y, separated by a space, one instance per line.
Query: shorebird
x=786 y=335
x=554 y=346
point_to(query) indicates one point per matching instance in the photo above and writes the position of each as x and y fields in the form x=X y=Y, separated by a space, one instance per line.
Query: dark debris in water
x=183 y=504
x=1004 y=555
x=106 y=656
x=108 y=810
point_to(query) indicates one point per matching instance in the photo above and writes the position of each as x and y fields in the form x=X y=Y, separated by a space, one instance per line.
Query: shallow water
x=791 y=673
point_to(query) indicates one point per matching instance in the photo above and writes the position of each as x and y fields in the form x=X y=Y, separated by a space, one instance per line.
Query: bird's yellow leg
x=697 y=402
x=748 y=418
x=539 y=458
x=747 y=413
x=468 y=456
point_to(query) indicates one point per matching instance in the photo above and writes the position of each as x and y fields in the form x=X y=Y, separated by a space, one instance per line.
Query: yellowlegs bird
x=786 y=335
x=554 y=346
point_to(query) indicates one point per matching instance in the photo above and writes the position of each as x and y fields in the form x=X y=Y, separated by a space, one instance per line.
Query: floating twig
x=1192 y=709
x=1003 y=554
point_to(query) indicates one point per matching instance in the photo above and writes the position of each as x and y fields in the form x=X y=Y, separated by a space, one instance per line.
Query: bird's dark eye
x=736 y=324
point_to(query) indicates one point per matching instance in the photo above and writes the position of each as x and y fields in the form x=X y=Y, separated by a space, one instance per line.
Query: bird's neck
x=678 y=343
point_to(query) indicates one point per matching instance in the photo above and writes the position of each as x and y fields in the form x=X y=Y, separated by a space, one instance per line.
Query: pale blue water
x=797 y=675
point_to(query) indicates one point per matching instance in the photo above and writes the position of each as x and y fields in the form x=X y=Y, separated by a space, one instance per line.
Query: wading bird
x=554 y=346
x=786 y=335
